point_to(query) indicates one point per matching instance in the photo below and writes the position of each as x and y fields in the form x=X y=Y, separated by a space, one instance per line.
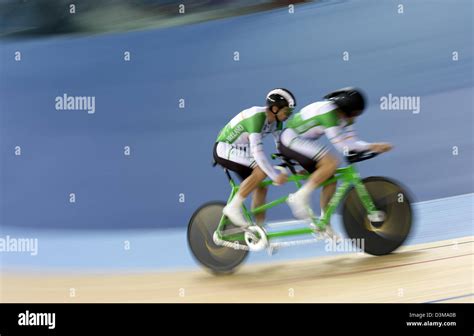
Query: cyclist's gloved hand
x=380 y=147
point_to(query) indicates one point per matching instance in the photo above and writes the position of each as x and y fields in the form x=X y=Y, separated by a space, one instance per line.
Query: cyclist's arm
x=256 y=148
x=360 y=144
x=345 y=138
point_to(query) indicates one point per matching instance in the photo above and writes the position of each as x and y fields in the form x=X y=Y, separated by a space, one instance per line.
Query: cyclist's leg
x=238 y=159
x=259 y=193
x=259 y=197
x=316 y=159
x=251 y=182
x=325 y=168
x=326 y=194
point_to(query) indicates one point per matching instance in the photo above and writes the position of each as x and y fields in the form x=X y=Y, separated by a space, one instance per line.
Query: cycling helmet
x=350 y=100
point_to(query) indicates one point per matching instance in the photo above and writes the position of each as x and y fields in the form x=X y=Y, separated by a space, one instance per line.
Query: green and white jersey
x=252 y=120
x=247 y=129
x=321 y=118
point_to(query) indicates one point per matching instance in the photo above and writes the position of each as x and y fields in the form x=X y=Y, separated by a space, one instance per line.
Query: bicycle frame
x=349 y=177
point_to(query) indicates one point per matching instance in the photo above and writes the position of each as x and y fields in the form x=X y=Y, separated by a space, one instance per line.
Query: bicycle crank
x=256 y=238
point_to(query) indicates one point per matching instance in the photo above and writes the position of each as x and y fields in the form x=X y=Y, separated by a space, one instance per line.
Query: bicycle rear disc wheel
x=382 y=237
x=201 y=228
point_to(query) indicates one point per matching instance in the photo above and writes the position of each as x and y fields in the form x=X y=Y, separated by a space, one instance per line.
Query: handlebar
x=351 y=157
x=276 y=156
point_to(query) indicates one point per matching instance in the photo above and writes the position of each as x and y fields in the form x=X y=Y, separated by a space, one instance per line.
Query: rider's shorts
x=235 y=157
x=305 y=151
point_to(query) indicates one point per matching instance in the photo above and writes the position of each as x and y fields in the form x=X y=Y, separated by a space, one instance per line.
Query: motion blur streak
x=135 y=199
x=137 y=105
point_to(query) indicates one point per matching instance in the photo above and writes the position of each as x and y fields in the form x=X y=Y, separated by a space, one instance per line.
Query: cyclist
x=239 y=148
x=334 y=117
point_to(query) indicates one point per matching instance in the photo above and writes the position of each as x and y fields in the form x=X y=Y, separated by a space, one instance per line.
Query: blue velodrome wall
x=67 y=152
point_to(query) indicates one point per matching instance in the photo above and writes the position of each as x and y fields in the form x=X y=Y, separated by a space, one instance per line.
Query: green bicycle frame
x=349 y=177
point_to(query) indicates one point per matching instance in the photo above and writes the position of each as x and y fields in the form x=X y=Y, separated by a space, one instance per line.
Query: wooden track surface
x=440 y=272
